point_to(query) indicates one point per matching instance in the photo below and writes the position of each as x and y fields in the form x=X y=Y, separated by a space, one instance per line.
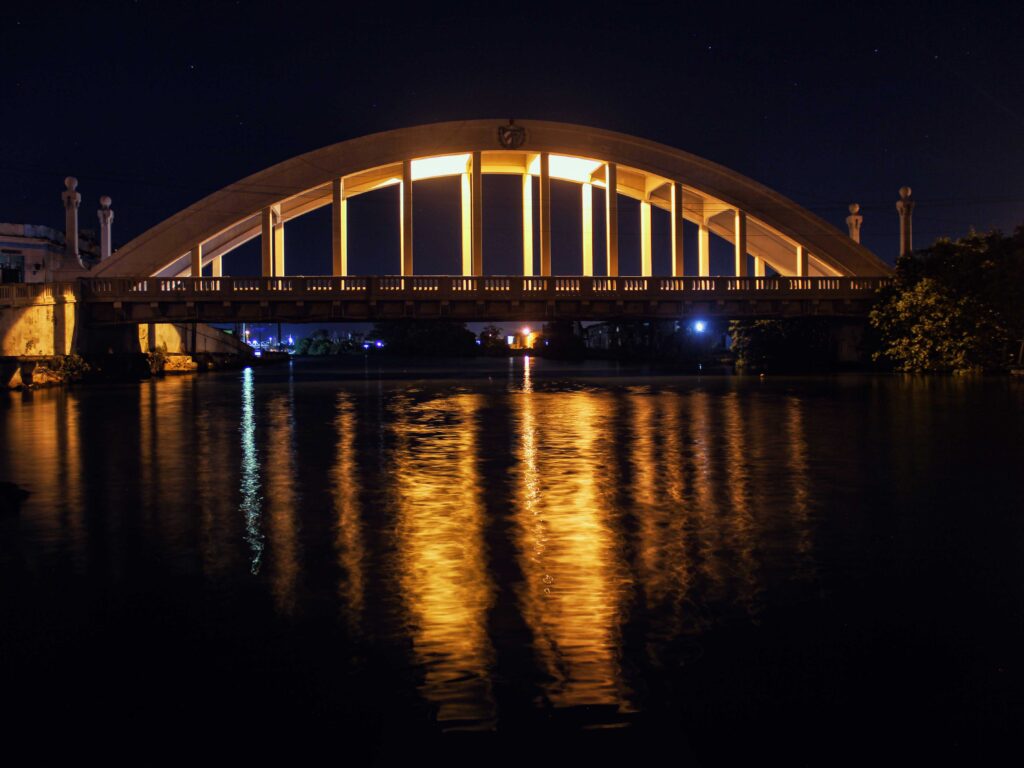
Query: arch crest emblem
x=511 y=136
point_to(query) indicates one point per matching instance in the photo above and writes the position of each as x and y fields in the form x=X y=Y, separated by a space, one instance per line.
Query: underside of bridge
x=758 y=222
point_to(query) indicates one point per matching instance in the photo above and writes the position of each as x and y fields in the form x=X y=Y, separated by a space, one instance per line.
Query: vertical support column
x=267 y=242
x=545 y=214
x=905 y=209
x=587 y=209
x=72 y=200
x=217 y=266
x=646 y=264
x=197 y=260
x=677 y=229
x=758 y=267
x=278 y=242
x=853 y=222
x=611 y=205
x=339 y=228
x=740 y=232
x=467 y=225
x=477 y=190
x=527 y=225
x=704 y=249
x=106 y=217
x=802 y=262
x=405 y=217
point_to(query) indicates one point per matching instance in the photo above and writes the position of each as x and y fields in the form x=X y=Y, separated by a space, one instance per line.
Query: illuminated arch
x=777 y=230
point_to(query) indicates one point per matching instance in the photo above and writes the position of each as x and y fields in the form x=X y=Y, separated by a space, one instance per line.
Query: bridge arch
x=753 y=218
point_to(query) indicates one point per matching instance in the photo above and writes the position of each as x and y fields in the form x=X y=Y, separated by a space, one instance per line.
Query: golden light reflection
x=440 y=555
x=69 y=475
x=799 y=477
x=279 y=473
x=568 y=540
x=345 y=491
x=661 y=512
x=740 y=525
x=219 y=528
x=706 y=525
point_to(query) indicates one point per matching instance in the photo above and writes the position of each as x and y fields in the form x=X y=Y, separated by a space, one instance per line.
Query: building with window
x=32 y=253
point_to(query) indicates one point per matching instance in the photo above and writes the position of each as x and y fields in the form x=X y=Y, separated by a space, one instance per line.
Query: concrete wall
x=41 y=322
x=39 y=329
x=177 y=339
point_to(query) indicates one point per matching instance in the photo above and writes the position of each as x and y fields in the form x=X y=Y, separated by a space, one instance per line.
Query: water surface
x=805 y=569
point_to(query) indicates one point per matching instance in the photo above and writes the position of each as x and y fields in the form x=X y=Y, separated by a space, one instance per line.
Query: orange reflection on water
x=798 y=473
x=740 y=526
x=440 y=554
x=661 y=510
x=569 y=547
x=279 y=474
x=345 y=491
x=215 y=488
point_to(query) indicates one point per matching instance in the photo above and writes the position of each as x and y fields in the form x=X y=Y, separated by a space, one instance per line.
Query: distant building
x=36 y=254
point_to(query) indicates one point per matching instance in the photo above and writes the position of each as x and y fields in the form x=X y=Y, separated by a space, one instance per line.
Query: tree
x=493 y=341
x=427 y=338
x=955 y=306
x=318 y=343
x=789 y=344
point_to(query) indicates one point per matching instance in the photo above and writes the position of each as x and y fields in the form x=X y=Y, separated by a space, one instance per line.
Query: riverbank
x=39 y=372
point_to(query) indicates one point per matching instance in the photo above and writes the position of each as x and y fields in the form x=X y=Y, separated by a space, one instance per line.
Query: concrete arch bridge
x=785 y=260
x=174 y=271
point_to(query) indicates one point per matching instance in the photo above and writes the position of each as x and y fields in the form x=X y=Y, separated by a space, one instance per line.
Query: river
x=741 y=568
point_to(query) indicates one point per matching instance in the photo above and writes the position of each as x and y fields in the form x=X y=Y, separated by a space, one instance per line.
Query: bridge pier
x=676 y=213
x=405 y=218
x=339 y=228
x=527 y=225
x=646 y=263
x=545 y=213
x=740 y=242
x=587 y=209
x=611 y=198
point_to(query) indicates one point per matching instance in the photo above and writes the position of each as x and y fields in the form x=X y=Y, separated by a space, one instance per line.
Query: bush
x=955 y=306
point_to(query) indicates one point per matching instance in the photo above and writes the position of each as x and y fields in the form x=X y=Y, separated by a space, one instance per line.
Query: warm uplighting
x=576 y=169
x=445 y=165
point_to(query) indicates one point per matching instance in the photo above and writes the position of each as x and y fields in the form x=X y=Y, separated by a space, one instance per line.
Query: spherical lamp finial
x=854 y=208
x=905 y=192
x=70 y=183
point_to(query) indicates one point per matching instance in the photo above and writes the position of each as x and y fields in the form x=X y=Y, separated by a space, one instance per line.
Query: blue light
x=258 y=353
x=699 y=326
x=380 y=344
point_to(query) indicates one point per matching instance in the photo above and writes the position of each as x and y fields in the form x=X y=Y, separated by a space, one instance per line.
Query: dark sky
x=158 y=104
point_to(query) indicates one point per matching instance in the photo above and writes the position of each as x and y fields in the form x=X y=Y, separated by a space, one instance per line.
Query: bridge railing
x=20 y=294
x=481 y=288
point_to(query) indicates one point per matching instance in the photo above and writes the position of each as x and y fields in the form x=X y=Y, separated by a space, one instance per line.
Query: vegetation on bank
x=955 y=306
x=796 y=344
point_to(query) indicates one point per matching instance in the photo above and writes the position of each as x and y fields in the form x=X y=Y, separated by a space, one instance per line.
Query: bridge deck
x=296 y=299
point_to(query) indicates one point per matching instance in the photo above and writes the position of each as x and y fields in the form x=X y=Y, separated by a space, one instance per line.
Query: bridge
x=494 y=298
x=784 y=259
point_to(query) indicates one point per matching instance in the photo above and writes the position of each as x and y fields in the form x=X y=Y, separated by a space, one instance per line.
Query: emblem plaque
x=511 y=136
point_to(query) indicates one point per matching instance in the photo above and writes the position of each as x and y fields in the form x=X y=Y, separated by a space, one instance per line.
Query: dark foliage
x=426 y=338
x=790 y=344
x=955 y=306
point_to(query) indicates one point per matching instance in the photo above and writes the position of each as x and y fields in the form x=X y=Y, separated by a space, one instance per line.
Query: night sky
x=158 y=104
